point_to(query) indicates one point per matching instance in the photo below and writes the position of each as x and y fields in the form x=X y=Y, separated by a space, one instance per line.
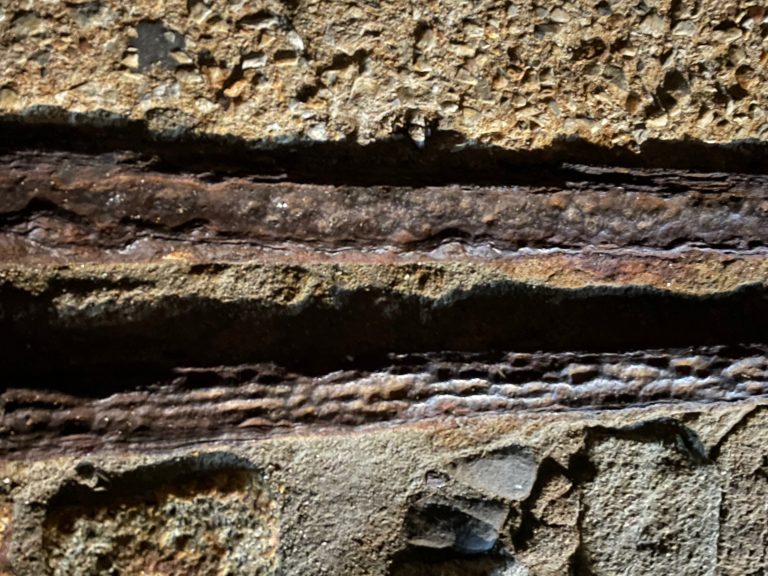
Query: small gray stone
x=507 y=473
x=465 y=526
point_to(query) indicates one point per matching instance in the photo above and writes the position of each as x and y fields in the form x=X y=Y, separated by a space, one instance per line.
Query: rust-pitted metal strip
x=62 y=201
x=210 y=402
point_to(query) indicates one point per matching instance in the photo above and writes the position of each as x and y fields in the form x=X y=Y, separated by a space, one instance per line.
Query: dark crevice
x=522 y=537
x=581 y=565
x=84 y=286
x=355 y=328
x=140 y=225
x=41 y=207
x=420 y=562
x=97 y=488
x=581 y=470
x=446 y=157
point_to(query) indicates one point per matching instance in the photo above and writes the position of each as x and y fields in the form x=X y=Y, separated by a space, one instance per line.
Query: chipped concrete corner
x=302 y=287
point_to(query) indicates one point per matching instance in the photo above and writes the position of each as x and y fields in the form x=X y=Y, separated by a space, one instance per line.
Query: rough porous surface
x=304 y=288
x=96 y=524
x=515 y=74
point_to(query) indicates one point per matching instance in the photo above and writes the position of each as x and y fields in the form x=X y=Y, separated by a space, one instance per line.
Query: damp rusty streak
x=109 y=201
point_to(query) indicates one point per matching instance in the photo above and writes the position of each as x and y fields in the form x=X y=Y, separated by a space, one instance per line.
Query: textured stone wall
x=665 y=489
x=383 y=289
x=516 y=74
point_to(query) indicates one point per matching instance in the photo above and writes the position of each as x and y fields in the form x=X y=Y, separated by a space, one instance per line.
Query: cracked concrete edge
x=352 y=503
x=262 y=277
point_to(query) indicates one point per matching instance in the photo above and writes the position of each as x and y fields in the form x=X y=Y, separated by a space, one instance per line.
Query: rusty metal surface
x=72 y=202
x=264 y=399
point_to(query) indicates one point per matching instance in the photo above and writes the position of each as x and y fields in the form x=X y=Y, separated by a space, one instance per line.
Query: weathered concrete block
x=516 y=74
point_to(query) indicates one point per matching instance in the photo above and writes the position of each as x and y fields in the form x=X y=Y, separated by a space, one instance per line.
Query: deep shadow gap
x=359 y=329
x=446 y=158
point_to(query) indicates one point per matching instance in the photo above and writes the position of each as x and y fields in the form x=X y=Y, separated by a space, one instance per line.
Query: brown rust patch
x=51 y=202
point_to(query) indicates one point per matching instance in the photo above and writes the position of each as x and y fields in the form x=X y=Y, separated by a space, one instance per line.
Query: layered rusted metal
x=143 y=303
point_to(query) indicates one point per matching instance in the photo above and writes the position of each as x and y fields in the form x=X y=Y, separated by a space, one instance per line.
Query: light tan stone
x=514 y=74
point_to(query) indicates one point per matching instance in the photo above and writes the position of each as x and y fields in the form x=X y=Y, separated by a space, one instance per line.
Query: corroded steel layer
x=70 y=202
x=149 y=304
x=231 y=403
